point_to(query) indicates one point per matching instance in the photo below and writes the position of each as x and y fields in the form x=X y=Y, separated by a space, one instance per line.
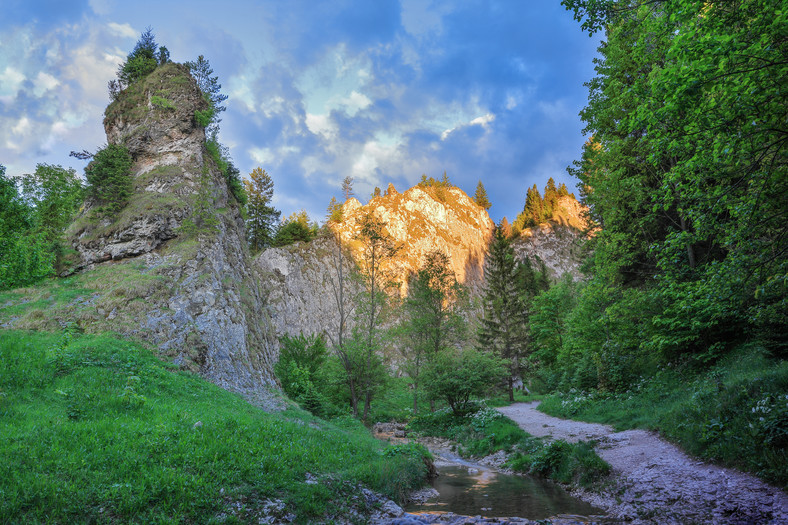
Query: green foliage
x=109 y=178
x=432 y=320
x=457 y=376
x=296 y=228
x=141 y=61
x=203 y=218
x=261 y=216
x=189 y=452
x=508 y=290
x=161 y=102
x=204 y=117
x=211 y=89
x=480 y=197
x=300 y=360
x=26 y=254
x=334 y=211
x=55 y=194
x=221 y=157
x=564 y=462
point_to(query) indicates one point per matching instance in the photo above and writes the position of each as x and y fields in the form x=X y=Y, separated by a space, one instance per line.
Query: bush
x=455 y=377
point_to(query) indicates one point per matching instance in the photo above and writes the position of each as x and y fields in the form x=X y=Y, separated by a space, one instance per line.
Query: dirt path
x=653 y=481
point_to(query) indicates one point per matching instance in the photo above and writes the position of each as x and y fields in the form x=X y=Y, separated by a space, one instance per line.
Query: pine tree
x=504 y=329
x=141 y=61
x=334 y=211
x=347 y=187
x=550 y=199
x=261 y=217
x=533 y=211
x=209 y=85
x=562 y=190
x=480 y=197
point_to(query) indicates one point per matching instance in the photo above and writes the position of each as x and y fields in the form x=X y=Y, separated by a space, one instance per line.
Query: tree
x=457 y=376
x=550 y=200
x=296 y=228
x=164 y=55
x=342 y=281
x=689 y=178
x=504 y=329
x=55 y=193
x=376 y=192
x=25 y=256
x=141 y=61
x=480 y=197
x=347 y=187
x=109 y=177
x=533 y=210
x=211 y=89
x=377 y=249
x=334 y=211
x=433 y=320
x=261 y=217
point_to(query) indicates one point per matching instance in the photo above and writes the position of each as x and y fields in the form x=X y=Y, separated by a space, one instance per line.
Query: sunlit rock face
x=420 y=220
x=200 y=303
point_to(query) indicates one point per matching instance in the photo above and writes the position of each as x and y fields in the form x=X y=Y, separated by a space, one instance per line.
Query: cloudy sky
x=383 y=90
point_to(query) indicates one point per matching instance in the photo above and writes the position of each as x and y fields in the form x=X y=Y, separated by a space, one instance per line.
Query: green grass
x=96 y=429
x=735 y=413
x=486 y=431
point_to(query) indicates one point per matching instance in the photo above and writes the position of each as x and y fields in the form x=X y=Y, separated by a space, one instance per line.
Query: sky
x=382 y=91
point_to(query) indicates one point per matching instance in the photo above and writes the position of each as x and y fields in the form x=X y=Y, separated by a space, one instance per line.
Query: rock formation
x=181 y=277
x=422 y=219
x=299 y=279
x=558 y=242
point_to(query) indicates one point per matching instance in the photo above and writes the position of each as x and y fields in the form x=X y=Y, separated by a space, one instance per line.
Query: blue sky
x=383 y=91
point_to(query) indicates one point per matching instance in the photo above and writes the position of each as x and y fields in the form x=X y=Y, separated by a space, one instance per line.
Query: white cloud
x=321 y=125
x=122 y=30
x=23 y=127
x=10 y=82
x=44 y=82
x=482 y=121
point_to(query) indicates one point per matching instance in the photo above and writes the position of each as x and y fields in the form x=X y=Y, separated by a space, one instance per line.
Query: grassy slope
x=98 y=429
x=735 y=413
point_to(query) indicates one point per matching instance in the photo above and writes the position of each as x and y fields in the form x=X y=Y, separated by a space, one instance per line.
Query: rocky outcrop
x=300 y=283
x=558 y=242
x=181 y=277
x=420 y=220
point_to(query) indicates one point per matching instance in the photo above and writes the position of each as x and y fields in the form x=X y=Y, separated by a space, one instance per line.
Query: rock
x=191 y=292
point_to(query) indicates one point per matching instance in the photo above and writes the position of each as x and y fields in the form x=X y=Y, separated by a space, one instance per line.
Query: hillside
x=171 y=267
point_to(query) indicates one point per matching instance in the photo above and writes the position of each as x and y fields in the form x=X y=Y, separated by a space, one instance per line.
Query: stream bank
x=653 y=481
x=467 y=492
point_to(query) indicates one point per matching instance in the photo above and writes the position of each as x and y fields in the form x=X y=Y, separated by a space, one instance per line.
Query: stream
x=470 y=489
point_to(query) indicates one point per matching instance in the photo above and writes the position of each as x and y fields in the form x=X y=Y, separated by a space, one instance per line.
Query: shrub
x=109 y=177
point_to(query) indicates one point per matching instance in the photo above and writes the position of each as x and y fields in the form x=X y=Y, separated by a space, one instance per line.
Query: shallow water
x=472 y=490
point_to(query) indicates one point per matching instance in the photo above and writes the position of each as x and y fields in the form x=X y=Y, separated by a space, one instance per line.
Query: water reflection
x=473 y=490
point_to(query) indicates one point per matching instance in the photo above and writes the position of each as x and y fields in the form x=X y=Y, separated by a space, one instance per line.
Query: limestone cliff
x=172 y=267
x=301 y=285
x=299 y=279
x=557 y=242
x=420 y=220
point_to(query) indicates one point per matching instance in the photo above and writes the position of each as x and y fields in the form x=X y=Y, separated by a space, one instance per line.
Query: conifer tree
x=202 y=72
x=261 y=217
x=347 y=187
x=533 y=211
x=550 y=199
x=334 y=211
x=480 y=197
x=504 y=328
x=141 y=61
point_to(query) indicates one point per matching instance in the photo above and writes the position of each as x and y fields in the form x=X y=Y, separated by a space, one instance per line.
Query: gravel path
x=653 y=481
